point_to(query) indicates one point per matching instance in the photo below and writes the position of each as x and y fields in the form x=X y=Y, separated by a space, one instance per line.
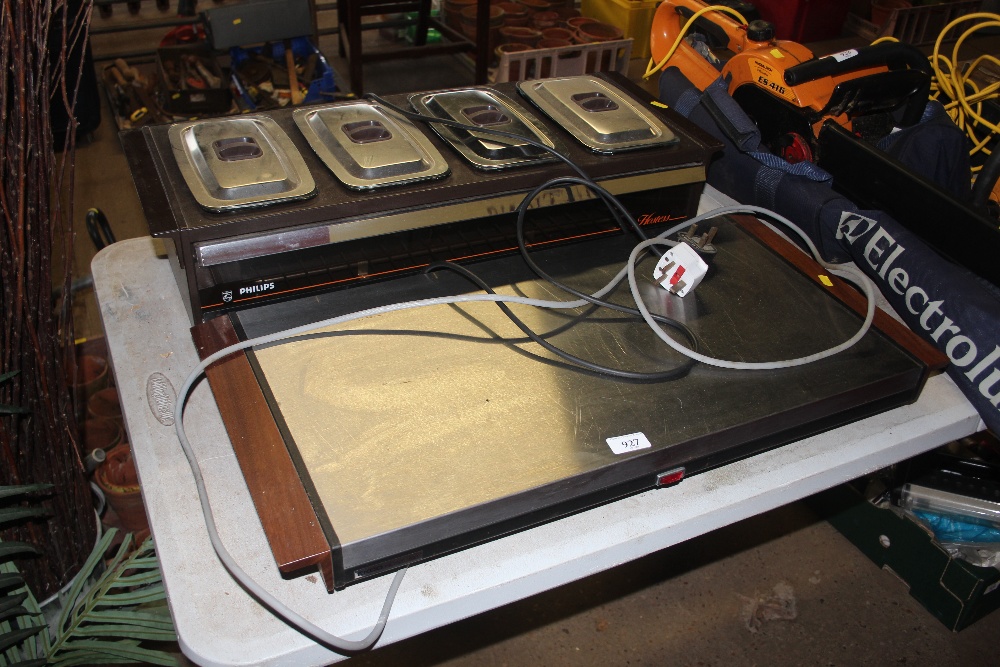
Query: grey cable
x=844 y=271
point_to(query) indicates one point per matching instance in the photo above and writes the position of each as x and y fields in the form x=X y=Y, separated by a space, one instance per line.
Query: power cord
x=618 y=373
x=845 y=271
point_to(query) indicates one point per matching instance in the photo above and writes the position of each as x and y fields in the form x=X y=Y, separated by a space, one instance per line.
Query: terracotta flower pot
x=104 y=404
x=553 y=43
x=558 y=33
x=88 y=377
x=536 y=5
x=100 y=433
x=119 y=481
x=514 y=13
x=514 y=72
x=528 y=36
x=598 y=32
x=566 y=13
x=575 y=22
x=543 y=20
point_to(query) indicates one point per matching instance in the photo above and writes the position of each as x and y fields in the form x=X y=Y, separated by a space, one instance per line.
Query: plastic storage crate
x=565 y=61
x=634 y=17
x=321 y=86
x=913 y=25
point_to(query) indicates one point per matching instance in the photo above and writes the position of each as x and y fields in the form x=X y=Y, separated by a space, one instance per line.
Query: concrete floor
x=682 y=606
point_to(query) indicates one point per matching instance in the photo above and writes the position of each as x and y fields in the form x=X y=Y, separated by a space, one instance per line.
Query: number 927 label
x=624 y=444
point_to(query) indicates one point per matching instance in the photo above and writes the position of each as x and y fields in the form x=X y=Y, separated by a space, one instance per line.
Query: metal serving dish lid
x=597 y=114
x=234 y=163
x=490 y=110
x=366 y=146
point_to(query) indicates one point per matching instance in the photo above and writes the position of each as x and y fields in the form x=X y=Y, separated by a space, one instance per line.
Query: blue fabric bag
x=944 y=303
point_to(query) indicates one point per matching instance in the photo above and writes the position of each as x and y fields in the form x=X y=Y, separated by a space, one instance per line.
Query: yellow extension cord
x=652 y=67
x=963 y=108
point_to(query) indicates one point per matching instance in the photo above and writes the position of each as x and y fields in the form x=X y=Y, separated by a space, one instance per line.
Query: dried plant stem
x=36 y=252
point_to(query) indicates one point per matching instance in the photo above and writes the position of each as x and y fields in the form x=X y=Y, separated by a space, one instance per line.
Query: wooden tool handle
x=293 y=79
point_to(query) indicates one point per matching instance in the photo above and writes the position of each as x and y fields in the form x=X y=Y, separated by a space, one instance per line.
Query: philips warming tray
x=389 y=196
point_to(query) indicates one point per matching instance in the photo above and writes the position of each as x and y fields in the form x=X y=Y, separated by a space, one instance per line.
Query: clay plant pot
x=453 y=11
x=468 y=16
x=101 y=433
x=514 y=13
x=543 y=20
x=104 y=404
x=536 y=5
x=553 y=43
x=119 y=481
x=566 y=13
x=511 y=47
x=89 y=376
x=574 y=22
x=514 y=67
x=528 y=36
x=469 y=27
x=558 y=33
x=598 y=32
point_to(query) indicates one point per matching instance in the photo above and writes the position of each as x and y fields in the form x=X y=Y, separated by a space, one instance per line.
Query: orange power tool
x=787 y=91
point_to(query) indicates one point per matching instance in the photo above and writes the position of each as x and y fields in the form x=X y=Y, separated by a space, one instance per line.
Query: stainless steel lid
x=234 y=163
x=366 y=146
x=487 y=109
x=597 y=113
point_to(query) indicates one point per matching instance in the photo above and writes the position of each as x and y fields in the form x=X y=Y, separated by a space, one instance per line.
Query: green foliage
x=107 y=614
x=22 y=628
x=125 y=606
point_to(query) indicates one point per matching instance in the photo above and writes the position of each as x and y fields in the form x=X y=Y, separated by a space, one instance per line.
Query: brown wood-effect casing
x=285 y=510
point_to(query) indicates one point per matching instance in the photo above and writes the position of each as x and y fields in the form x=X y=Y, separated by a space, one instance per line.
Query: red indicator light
x=670 y=477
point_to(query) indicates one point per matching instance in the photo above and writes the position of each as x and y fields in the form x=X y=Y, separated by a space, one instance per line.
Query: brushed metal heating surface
x=434 y=421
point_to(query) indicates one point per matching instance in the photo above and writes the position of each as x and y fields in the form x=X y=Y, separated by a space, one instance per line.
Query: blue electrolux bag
x=946 y=304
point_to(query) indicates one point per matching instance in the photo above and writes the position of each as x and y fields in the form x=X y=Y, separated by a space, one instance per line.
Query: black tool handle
x=894 y=55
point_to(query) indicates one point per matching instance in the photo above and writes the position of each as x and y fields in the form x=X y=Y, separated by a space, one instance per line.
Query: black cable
x=618 y=212
x=99 y=229
x=615 y=207
x=659 y=376
x=609 y=200
x=412 y=115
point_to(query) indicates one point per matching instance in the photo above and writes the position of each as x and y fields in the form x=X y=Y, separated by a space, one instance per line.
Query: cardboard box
x=634 y=17
x=955 y=591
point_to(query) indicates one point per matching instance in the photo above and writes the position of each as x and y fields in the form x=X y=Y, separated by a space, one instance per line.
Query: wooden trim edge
x=930 y=356
x=283 y=506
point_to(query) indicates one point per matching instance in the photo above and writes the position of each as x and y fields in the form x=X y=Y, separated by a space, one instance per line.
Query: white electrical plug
x=680 y=269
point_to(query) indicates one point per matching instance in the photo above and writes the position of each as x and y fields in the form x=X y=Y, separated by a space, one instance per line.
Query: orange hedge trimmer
x=787 y=91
